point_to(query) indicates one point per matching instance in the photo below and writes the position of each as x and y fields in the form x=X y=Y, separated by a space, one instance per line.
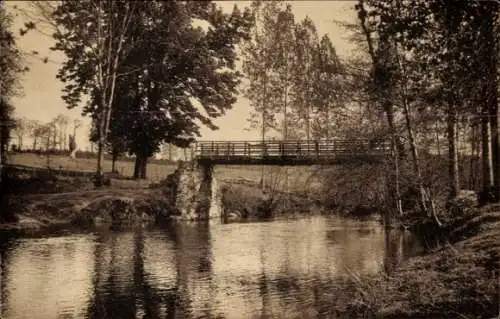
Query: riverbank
x=244 y=200
x=84 y=209
x=457 y=279
x=37 y=199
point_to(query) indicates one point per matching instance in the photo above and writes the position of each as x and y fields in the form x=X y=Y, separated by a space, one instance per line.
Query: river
x=277 y=269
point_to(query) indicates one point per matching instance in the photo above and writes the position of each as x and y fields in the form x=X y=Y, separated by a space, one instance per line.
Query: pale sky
x=42 y=91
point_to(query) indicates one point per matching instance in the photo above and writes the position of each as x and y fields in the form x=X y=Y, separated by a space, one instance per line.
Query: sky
x=41 y=98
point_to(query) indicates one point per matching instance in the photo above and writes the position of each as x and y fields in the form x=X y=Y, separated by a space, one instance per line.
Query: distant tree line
x=58 y=134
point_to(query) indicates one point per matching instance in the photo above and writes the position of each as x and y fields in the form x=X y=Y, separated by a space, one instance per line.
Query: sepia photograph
x=249 y=159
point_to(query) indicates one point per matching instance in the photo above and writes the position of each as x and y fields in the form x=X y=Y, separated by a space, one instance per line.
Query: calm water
x=279 y=269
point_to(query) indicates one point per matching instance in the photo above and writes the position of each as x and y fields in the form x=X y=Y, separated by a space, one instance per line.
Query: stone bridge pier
x=197 y=195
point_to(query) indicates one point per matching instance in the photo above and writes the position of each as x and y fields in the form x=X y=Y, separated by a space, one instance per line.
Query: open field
x=275 y=177
x=155 y=171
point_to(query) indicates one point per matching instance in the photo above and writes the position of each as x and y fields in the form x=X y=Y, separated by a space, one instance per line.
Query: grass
x=459 y=279
x=298 y=177
x=155 y=171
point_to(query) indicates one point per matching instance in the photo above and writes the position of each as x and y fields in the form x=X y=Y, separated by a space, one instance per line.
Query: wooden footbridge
x=298 y=152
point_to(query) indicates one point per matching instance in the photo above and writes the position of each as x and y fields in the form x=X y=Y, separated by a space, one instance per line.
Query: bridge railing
x=288 y=149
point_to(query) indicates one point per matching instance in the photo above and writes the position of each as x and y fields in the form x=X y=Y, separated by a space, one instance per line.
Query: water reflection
x=281 y=269
x=47 y=278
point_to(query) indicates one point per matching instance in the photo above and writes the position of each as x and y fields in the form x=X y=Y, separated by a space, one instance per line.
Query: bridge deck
x=290 y=152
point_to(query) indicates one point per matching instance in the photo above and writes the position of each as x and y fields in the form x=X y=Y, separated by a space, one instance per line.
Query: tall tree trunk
x=101 y=142
x=489 y=100
x=327 y=132
x=438 y=144
x=485 y=152
x=493 y=116
x=144 y=165
x=414 y=155
x=114 y=157
x=108 y=83
x=2 y=144
x=140 y=166
x=394 y=180
x=452 y=152
x=491 y=96
x=285 y=117
x=472 y=184
x=413 y=147
x=264 y=97
x=495 y=146
x=263 y=125
x=308 y=120
x=137 y=167
x=387 y=106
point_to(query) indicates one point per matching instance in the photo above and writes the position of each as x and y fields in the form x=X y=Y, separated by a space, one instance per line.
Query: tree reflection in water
x=287 y=269
x=117 y=297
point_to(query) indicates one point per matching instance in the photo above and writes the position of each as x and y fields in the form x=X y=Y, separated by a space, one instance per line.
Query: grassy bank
x=246 y=200
x=86 y=209
x=39 y=199
x=458 y=279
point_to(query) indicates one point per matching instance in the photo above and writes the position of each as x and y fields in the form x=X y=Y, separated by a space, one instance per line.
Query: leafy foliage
x=7 y=125
x=10 y=58
x=152 y=75
x=293 y=77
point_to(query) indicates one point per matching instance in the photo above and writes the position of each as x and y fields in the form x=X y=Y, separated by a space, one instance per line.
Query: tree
x=34 y=132
x=445 y=75
x=282 y=61
x=381 y=86
x=187 y=77
x=161 y=82
x=306 y=41
x=326 y=87
x=94 y=35
x=20 y=130
x=7 y=124
x=10 y=58
x=261 y=54
x=10 y=69
x=73 y=147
